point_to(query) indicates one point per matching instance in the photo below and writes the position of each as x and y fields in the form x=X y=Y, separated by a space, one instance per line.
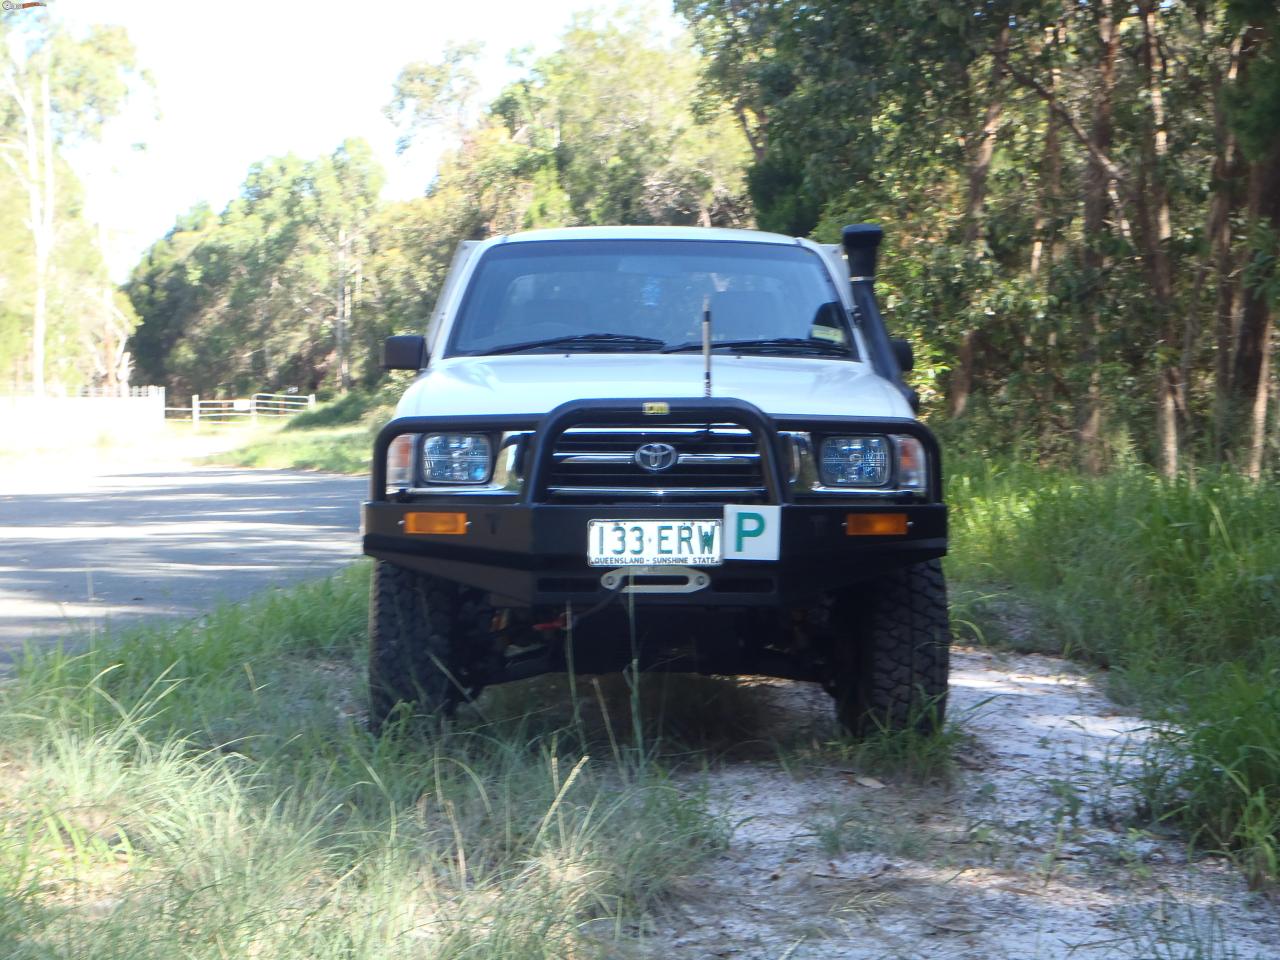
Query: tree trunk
x=1258 y=437
x=44 y=235
x=1096 y=201
x=1263 y=206
x=980 y=165
x=753 y=132
x=1155 y=231
x=36 y=175
x=342 y=316
x=961 y=384
x=1251 y=379
x=1047 y=229
x=1225 y=177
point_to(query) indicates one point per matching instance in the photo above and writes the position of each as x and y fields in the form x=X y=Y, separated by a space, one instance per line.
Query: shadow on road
x=125 y=545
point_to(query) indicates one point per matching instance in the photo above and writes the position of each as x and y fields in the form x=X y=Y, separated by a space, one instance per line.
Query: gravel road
x=84 y=549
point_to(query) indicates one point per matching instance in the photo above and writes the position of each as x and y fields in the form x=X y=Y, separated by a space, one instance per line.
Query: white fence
x=121 y=391
x=241 y=409
x=99 y=412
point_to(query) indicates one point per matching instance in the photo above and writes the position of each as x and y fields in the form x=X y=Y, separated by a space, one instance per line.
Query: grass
x=210 y=791
x=1174 y=585
x=330 y=449
x=906 y=756
x=336 y=437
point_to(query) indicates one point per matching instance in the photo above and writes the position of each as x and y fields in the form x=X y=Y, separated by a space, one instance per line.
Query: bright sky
x=235 y=82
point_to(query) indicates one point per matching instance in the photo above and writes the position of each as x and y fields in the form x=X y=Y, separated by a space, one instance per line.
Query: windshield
x=649 y=295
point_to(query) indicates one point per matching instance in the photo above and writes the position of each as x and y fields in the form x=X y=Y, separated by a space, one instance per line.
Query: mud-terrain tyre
x=420 y=627
x=892 y=652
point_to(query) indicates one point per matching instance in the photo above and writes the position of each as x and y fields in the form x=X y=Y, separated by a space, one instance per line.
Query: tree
x=608 y=129
x=1255 y=117
x=57 y=90
x=429 y=95
x=1070 y=187
x=265 y=295
x=339 y=202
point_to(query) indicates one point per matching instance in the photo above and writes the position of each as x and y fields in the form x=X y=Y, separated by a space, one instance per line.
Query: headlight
x=456 y=458
x=855 y=461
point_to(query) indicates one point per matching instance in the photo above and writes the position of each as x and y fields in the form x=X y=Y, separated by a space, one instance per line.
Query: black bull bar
x=548 y=429
x=529 y=548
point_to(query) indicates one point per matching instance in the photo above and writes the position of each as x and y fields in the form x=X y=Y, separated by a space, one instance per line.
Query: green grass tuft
x=210 y=791
x=328 y=449
x=1174 y=585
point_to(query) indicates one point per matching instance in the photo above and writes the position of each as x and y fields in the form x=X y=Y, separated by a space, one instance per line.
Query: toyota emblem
x=656 y=457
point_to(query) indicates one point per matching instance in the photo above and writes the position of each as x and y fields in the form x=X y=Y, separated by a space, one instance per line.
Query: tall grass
x=1175 y=585
x=211 y=792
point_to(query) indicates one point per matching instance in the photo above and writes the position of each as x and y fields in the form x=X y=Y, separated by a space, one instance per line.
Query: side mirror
x=903 y=353
x=405 y=352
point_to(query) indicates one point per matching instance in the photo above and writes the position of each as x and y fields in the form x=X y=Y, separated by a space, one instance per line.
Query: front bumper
x=530 y=550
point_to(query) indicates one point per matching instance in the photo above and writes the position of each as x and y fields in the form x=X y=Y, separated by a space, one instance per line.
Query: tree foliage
x=60 y=318
x=1083 y=203
x=306 y=272
x=1081 y=216
x=252 y=299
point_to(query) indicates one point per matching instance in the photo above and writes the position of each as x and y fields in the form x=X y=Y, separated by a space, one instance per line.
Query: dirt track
x=1026 y=855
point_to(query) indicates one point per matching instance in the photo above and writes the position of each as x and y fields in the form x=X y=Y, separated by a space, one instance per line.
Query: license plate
x=654 y=543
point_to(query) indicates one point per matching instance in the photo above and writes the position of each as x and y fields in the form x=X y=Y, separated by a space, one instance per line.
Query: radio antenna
x=706 y=345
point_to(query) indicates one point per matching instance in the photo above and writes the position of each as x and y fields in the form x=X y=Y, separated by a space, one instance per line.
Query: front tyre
x=419 y=626
x=892 y=650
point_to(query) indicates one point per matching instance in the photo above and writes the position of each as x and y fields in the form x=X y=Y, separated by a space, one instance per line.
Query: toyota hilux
x=671 y=448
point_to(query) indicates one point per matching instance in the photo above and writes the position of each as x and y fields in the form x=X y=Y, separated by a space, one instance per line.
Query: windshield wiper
x=776 y=345
x=617 y=341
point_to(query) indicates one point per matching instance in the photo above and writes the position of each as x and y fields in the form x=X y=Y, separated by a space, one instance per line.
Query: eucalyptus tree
x=609 y=128
x=57 y=89
x=338 y=201
x=1074 y=188
x=263 y=295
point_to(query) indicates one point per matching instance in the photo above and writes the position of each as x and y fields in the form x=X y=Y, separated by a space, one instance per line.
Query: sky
x=236 y=82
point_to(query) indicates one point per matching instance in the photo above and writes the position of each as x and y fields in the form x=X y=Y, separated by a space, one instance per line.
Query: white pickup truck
x=690 y=448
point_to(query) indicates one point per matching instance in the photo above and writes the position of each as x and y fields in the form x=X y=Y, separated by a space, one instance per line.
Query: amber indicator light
x=440 y=523
x=875 y=524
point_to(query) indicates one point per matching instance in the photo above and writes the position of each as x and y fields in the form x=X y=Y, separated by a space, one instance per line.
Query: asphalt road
x=82 y=554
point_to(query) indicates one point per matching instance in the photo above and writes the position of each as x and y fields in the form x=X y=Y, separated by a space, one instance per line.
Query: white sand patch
x=1024 y=856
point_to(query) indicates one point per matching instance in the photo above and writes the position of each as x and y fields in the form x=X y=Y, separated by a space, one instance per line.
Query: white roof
x=648 y=233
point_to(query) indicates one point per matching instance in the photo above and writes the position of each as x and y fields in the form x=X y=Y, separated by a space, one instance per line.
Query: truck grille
x=710 y=462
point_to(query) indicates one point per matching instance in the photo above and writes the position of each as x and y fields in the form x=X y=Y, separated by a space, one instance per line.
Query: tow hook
x=662 y=579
